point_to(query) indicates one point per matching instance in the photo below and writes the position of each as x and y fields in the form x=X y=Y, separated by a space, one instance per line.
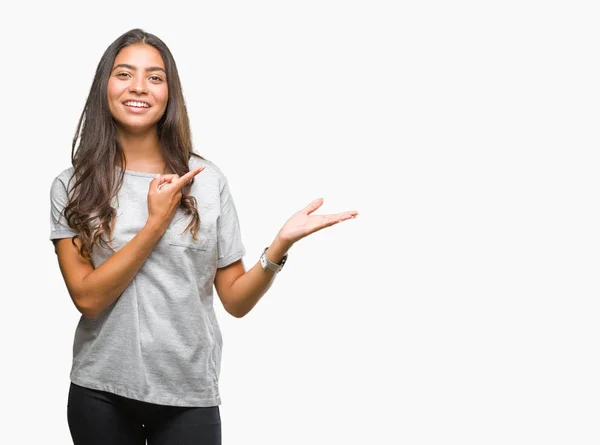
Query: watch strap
x=268 y=264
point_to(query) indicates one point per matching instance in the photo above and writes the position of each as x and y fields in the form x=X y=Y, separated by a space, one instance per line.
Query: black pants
x=102 y=418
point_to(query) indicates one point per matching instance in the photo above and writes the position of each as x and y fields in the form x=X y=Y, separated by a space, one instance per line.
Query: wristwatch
x=267 y=264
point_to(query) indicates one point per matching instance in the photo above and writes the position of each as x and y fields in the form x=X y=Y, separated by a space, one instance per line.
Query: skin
x=137 y=75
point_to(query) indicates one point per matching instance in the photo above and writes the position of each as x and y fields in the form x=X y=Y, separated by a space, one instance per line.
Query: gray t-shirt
x=160 y=341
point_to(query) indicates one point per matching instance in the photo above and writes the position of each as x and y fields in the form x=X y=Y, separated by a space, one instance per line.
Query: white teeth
x=137 y=104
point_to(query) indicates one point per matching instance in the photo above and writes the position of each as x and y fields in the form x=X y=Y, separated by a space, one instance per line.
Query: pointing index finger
x=189 y=175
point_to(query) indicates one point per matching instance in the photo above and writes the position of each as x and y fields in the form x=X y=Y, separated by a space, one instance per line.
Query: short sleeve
x=58 y=200
x=229 y=238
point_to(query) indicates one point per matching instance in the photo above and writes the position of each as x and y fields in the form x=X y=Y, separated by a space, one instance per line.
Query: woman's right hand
x=164 y=196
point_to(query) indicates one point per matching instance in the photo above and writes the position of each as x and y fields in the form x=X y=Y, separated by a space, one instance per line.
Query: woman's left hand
x=302 y=223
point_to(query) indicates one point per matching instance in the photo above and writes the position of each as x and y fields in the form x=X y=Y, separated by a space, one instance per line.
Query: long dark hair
x=97 y=181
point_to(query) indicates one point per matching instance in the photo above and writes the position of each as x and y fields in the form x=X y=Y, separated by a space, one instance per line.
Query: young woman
x=143 y=229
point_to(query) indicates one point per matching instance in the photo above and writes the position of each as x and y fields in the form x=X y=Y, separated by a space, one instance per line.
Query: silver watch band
x=268 y=264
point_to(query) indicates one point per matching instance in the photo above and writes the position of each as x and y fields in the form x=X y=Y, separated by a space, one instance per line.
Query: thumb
x=314 y=205
x=157 y=180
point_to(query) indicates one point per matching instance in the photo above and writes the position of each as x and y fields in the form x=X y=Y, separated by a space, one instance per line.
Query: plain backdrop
x=460 y=306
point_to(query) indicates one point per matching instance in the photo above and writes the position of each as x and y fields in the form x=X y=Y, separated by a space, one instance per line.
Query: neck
x=142 y=151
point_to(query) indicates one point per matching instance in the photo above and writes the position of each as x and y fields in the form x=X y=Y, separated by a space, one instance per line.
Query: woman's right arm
x=93 y=290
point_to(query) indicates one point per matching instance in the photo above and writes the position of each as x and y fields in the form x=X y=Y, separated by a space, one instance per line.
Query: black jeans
x=102 y=418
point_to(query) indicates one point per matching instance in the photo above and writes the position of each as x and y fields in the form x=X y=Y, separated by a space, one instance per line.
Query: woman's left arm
x=240 y=290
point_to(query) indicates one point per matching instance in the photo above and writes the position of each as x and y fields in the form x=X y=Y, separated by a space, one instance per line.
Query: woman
x=143 y=229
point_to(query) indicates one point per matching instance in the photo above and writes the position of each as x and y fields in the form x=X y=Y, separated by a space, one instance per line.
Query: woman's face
x=137 y=88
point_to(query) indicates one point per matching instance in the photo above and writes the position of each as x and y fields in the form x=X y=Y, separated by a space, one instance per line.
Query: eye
x=156 y=78
x=122 y=74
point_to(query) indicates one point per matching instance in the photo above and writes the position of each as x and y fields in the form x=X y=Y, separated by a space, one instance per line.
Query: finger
x=170 y=177
x=181 y=182
x=166 y=179
x=345 y=216
x=156 y=181
x=348 y=215
x=330 y=220
x=313 y=206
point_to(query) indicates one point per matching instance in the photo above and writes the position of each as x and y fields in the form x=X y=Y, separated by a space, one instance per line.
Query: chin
x=136 y=127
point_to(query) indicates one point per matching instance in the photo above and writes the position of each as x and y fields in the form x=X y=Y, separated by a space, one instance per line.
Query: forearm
x=106 y=283
x=248 y=289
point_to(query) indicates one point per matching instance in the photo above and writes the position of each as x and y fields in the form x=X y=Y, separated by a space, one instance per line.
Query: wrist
x=278 y=248
x=156 y=226
x=272 y=265
x=274 y=256
x=282 y=243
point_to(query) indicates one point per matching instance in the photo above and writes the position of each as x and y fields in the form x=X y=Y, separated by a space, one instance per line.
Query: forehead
x=139 y=55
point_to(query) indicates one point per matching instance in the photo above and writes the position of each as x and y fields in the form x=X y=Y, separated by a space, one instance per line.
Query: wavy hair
x=97 y=181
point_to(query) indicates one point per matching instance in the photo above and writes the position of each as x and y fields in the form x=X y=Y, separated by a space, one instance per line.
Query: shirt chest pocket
x=178 y=239
x=187 y=241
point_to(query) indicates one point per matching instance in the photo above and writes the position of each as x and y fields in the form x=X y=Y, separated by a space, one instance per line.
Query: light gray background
x=461 y=306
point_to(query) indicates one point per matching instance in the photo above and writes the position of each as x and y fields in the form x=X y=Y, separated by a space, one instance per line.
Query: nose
x=138 y=85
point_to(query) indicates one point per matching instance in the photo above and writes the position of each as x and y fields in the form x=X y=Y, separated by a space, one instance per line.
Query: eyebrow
x=133 y=68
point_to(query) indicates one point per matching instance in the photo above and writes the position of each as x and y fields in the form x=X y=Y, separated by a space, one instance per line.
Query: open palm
x=302 y=223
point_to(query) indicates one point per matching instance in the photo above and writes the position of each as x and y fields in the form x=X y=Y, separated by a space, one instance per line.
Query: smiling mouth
x=136 y=104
